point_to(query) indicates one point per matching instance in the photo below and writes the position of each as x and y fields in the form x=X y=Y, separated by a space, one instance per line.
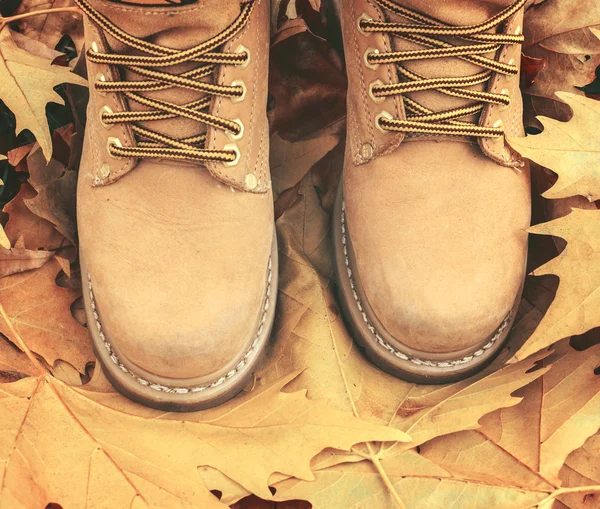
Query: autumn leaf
x=4 y=242
x=19 y=259
x=50 y=28
x=570 y=149
x=36 y=232
x=41 y=311
x=56 y=189
x=562 y=34
x=307 y=82
x=559 y=412
x=576 y=307
x=582 y=468
x=14 y=364
x=26 y=83
x=505 y=464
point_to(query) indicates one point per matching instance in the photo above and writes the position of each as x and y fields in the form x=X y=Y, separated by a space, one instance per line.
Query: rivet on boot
x=251 y=181
x=366 y=151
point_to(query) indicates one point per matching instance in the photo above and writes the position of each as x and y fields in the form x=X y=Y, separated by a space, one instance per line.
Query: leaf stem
x=566 y=491
x=10 y=19
x=384 y=477
x=21 y=344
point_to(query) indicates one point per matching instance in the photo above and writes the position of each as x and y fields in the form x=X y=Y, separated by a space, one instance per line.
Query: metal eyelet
x=511 y=62
x=239 y=83
x=518 y=30
x=103 y=110
x=242 y=49
x=376 y=83
x=383 y=114
x=238 y=136
x=102 y=78
x=364 y=17
x=234 y=148
x=94 y=47
x=112 y=141
x=498 y=124
x=368 y=52
x=506 y=92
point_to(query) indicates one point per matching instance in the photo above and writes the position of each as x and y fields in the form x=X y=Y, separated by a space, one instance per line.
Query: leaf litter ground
x=319 y=426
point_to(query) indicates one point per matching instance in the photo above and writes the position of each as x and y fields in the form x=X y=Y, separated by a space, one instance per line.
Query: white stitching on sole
x=393 y=350
x=182 y=390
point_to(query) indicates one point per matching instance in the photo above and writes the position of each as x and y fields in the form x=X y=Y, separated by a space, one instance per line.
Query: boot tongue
x=176 y=24
x=452 y=12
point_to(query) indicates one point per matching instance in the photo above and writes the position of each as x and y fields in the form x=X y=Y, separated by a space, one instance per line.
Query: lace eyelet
x=368 y=52
x=239 y=83
x=511 y=62
x=363 y=17
x=100 y=78
x=103 y=110
x=94 y=47
x=110 y=142
x=386 y=115
x=498 y=124
x=506 y=92
x=233 y=148
x=238 y=136
x=518 y=30
x=374 y=98
x=242 y=49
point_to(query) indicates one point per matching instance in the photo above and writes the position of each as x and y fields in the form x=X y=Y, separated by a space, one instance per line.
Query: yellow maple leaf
x=511 y=462
x=26 y=87
x=576 y=307
x=570 y=149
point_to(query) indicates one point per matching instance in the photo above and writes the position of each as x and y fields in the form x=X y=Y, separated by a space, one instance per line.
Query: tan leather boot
x=175 y=208
x=431 y=217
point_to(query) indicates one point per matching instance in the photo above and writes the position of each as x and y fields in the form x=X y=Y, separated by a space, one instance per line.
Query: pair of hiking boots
x=175 y=208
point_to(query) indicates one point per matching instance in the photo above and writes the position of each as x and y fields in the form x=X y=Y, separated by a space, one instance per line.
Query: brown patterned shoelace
x=150 y=143
x=424 y=31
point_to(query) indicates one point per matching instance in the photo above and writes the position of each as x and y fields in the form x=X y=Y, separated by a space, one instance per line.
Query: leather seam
x=398 y=353
x=183 y=390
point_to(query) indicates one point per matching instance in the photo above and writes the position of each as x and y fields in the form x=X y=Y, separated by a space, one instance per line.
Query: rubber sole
x=181 y=395
x=388 y=353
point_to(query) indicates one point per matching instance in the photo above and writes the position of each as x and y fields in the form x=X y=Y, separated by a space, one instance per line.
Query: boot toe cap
x=202 y=336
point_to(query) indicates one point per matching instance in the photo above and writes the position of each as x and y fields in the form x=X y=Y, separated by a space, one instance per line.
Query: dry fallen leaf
x=14 y=364
x=36 y=232
x=19 y=259
x=40 y=311
x=56 y=189
x=306 y=81
x=4 y=242
x=559 y=412
x=582 y=468
x=50 y=28
x=570 y=149
x=26 y=83
x=510 y=462
x=576 y=308
x=562 y=33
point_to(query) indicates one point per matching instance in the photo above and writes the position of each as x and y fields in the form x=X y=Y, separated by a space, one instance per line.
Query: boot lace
x=425 y=31
x=149 y=143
